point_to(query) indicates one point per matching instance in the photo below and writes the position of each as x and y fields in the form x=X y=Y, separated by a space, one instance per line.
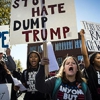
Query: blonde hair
x=61 y=72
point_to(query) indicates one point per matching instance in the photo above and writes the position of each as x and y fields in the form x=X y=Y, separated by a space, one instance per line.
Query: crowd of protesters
x=76 y=81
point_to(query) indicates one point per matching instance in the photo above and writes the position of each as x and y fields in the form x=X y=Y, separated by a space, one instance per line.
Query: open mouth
x=71 y=69
x=33 y=62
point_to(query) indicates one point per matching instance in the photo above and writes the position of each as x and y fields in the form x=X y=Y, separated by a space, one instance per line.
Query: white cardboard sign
x=34 y=21
x=53 y=64
x=92 y=35
x=5 y=91
x=4 y=37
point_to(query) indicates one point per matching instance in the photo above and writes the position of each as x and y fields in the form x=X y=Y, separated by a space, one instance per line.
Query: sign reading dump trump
x=5 y=91
x=4 y=37
x=92 y=35
x=34 y=21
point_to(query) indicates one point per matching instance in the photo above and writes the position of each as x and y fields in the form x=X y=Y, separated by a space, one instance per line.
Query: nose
x=70 y=63
x=33 y=58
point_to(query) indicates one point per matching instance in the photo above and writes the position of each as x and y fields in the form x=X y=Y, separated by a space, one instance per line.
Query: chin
x=34 y=66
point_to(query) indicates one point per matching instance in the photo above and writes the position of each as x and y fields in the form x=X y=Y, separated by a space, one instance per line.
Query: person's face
x=70 y=67
x=97 y=60
x=33 y=59
x=1 y=55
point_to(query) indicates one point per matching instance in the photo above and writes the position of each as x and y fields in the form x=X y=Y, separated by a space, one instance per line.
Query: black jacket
x=47 y=86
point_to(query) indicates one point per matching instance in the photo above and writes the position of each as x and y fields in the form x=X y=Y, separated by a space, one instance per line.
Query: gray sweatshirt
x=10 y=64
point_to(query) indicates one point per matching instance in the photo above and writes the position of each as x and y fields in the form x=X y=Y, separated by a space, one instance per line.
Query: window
x=80 y=57
x=59 y=60
x=32 y=48
x=39 y=49
x=64 y=45
x=77 y=43
x=56 y=46
x=70 y=45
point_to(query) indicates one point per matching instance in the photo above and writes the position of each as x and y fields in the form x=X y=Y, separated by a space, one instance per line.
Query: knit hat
x=36 y=53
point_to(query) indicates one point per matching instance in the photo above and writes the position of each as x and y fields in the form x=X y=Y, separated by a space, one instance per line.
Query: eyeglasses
x=1 y=53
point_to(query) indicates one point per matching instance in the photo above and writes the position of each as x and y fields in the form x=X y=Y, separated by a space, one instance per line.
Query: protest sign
x=4 y=37
x=92 y=35
x=28 y=21
x=18 y=83
x=53 y=65
x=5 y=91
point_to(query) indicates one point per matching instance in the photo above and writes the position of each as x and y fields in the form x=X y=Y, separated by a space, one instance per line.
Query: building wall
x=61 y=49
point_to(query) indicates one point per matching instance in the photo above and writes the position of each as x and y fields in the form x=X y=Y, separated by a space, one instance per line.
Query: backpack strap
x=57 y=84
x=84 y=87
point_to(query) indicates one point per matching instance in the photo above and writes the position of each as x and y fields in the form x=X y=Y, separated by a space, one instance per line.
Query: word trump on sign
x=92 y=36
x=46 y=20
